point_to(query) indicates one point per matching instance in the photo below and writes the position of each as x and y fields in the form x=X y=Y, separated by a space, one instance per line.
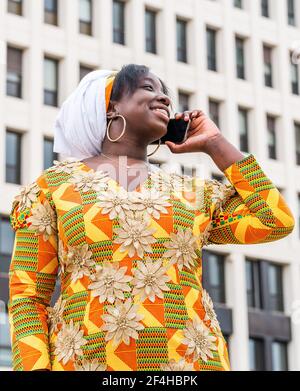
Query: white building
x=221 y=56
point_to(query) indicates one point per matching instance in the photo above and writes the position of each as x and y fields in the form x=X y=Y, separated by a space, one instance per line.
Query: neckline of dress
x=152 y=170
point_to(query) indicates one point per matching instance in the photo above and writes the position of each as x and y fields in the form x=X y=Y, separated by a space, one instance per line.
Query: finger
x=187 y=115
x=178 y=115
x=176 y=148
x=195 y=114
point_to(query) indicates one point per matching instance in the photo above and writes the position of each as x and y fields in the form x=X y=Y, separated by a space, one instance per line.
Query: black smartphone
x=177 y=131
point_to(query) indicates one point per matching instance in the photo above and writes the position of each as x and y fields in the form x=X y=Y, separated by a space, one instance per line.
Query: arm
x=32 y=276
x=250 y=210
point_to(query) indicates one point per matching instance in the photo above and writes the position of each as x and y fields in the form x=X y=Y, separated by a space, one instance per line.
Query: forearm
x=222 y=152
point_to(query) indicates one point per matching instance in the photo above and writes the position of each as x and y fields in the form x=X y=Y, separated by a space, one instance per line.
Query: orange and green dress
x=129 y=265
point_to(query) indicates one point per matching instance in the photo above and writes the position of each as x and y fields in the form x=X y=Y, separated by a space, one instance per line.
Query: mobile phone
x=177 y=131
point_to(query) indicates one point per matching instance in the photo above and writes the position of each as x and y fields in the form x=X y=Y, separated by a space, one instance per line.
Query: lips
x=162 y=113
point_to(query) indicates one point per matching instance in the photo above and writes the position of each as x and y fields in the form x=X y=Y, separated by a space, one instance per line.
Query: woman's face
x=147 y=111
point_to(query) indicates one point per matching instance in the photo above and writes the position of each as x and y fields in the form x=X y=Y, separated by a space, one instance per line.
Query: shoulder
x=38 y=192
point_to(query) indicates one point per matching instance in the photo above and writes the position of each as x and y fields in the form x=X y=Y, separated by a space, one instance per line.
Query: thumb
x=176 y=148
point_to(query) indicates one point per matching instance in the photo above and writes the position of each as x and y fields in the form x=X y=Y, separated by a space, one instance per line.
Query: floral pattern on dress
x=181 y=248
x=220 y=192
x=150 y=279
x=150 y=201
x=43 y=220
x=55 y=314
x=67 y=166
x=198 y=339
x=134 y=235
x=204 y=236
x=110 y=282
x=79 y=262
x=69 y=342
x=86 y=365
x=27 y=196
x=85 y=181
x=115 y=203
x=181 y=365
x=62 y=257
x=122 y=322
x=210 y=314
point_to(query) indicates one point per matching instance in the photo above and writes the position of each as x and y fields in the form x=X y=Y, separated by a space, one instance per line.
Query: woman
x=129 y=252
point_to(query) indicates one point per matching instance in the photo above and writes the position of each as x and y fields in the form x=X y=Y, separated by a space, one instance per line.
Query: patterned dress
x=129 y=264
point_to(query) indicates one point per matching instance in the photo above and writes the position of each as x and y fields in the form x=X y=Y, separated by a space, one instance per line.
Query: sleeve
x=32 y=275
x=250 y=209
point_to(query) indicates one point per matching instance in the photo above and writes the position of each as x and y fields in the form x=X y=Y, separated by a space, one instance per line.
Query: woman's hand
x=203 y=131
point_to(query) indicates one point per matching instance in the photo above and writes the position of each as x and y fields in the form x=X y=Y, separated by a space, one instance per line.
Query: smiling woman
x=129 y=259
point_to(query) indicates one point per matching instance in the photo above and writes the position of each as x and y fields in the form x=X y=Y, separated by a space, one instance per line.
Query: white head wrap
x=80 y=126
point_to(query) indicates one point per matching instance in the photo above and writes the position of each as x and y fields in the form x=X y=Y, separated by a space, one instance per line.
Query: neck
x=134 y=151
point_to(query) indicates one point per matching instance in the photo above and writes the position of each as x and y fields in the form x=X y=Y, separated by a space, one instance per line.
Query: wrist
x=213 y=144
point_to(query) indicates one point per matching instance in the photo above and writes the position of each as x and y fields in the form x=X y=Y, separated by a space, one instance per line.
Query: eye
x=148 y=86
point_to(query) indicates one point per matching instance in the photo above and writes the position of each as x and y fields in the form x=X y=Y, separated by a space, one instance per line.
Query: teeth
x=162 y=111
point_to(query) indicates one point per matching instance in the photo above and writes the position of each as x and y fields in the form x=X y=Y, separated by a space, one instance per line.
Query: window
x=240 y=58
x=13 y=157
x=49 y=155
x=85 y=17
x=181 y=27
x=265 y=11
x=297 y=138
x=268 y=71
x=214 y=111
x=279 y=356
x=291 y=12
x=14 y=72
x=15 y=7
x=119 y=22
x=256 y=354
x=84 y=70
x=253 y=283
x=211 y=49
x=50 y=82
x=183 y=102
x=238 y=3
x=275 y=287
x=271 y=125
x=214 y=275
x=264 y=285
x=150 y=24
x=294 y=76
x=243 y=129
x=50 y=12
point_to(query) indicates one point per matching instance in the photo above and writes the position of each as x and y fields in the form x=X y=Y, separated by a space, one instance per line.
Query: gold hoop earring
x=109 y=125
x=152 y=153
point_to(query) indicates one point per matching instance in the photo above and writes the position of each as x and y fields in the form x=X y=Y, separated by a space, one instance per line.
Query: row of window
x=265 y=9
x=264 y=282
x=264 y=293
x=119 y=36
x=269 y=60
x=14 y=156
x=86 y=12
x=14 y=141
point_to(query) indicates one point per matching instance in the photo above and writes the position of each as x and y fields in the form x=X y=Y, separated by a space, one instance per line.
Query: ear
x=112 y=110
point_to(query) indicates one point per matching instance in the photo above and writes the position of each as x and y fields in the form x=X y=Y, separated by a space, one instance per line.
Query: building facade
x=236 y=60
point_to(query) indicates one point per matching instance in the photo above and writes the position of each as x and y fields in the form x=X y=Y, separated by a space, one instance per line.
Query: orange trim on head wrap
x=108 y=89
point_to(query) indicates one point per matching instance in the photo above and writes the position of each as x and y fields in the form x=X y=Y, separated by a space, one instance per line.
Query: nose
x=163 y=98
